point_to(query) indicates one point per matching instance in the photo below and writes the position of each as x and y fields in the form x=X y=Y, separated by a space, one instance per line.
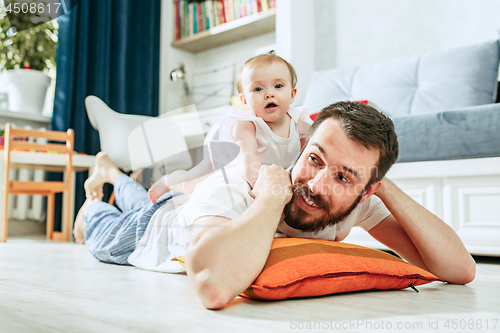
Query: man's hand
x=273 y=181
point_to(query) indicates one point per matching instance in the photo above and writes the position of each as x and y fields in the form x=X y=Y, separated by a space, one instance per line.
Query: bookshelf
x=242 y=28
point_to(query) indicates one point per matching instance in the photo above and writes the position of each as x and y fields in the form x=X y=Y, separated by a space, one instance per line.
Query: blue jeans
x=112 y=235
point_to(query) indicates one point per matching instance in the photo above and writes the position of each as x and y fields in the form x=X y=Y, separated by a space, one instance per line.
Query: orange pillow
x=300 y=267
x=303 y=267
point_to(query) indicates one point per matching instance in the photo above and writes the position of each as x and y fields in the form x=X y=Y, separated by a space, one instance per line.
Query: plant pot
x=27 y=89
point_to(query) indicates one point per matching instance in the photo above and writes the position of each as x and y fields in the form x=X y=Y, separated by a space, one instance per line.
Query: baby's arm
x=187 y=180
x=249 y=164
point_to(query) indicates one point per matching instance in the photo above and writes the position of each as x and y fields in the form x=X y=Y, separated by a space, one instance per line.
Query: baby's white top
x=272 y=149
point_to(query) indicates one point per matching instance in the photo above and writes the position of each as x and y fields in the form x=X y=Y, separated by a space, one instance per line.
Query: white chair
x=134 y=142
x=212 y=134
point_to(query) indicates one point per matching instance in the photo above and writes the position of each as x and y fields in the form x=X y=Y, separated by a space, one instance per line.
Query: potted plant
x=26 y=57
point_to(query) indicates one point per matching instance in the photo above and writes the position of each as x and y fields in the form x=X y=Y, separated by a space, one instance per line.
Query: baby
x=269 y=131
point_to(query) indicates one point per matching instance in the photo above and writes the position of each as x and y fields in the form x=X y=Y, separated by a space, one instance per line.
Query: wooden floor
x=59 y=287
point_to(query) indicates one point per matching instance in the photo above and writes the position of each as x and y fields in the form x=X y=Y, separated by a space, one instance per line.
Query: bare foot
x=155 y=194
x=78 y=229
x=159 y=188
x=104 y=172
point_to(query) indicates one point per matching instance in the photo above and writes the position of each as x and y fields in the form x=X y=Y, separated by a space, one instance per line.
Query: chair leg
x=66 y=224
x=50 y=215
x=4 y=226
x=111 y=200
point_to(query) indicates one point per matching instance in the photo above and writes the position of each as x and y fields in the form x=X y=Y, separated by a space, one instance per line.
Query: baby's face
x=268 y=91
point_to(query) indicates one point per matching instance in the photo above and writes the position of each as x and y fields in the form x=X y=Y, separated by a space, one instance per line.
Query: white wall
x=170 y=58
x=354 y=32
x=295 y=40
x=239 y=52
x=325 y=34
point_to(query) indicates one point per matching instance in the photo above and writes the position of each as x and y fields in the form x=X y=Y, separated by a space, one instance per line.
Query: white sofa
x=442 y=105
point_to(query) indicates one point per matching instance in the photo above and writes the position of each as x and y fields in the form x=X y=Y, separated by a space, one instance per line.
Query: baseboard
x=22 y=228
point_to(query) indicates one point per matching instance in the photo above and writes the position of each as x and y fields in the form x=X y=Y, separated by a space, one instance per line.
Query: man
x=349 y=150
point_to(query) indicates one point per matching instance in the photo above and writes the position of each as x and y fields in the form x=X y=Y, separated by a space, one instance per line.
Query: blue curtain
x=110 y=49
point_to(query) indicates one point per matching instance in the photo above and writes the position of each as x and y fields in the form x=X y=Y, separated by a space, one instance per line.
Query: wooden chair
x=46 y=188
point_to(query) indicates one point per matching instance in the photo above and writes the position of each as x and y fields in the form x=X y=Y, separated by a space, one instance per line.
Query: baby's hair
x=262 y=61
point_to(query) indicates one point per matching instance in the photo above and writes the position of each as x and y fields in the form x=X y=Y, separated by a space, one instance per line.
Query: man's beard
x=296 y=217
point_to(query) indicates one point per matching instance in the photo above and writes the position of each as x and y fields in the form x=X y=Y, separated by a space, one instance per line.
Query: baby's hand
x=158 y=189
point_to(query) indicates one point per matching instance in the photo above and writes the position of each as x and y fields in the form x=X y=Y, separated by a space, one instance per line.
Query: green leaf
x=35 y=47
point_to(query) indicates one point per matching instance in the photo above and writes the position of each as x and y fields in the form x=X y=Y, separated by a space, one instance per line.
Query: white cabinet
x=464 y=193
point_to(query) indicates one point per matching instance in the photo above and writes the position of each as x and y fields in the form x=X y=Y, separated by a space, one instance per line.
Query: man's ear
x=294 y=93
x=371 y=190
x=243 y=100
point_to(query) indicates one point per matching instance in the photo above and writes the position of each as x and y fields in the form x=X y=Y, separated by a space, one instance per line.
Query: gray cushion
x=455 y=134
x=431 y=82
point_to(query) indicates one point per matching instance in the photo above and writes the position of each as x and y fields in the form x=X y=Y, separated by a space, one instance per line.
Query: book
x=191 y=19
x=243 y=11
x=227 y=11
x=186 y=18
x=203 y=16
x=177 y=21
x=195 y=19
x=215 y=11
x=236 y=8
x=181 y=18
x=210 y=17
x=230 y=9
x=198 y=18
x=222 y=14
x=264 y=5
x=255 y=6
x=249 y=7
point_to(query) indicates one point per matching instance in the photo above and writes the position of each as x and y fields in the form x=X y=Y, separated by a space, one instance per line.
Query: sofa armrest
x=470 y=132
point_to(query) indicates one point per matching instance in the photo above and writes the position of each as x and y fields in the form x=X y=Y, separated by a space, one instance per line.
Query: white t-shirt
x=167 y=234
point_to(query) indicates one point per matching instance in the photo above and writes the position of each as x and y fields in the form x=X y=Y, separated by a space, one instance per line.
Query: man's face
x=331 y=175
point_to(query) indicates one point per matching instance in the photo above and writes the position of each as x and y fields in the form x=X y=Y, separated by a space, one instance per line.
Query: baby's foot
x=155 y=194
x=104 y=172
x=78 y=229
x=157 y=190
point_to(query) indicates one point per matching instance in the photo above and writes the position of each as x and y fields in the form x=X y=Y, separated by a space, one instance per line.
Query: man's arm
x=225 y=256
x=422 y=238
